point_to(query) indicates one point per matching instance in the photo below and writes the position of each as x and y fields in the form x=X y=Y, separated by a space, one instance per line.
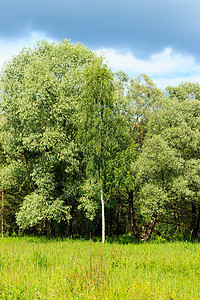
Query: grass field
x=37 y=268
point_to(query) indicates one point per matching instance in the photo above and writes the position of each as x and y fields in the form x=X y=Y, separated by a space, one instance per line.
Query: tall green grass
x=35 y=268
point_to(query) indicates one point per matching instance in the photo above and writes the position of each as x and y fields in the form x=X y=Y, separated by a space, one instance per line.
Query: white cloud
x=10 y=48
x=165 y=68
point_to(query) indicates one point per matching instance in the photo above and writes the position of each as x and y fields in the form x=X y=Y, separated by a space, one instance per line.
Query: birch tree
x=97 y=126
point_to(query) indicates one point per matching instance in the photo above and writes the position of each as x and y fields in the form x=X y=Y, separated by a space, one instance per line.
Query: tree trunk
x=193 y=220
x=103 y=216
x=146 y=234
x=132 y=226
x=2 y=213
x=71 y=231
x=198 y=221
x=110 y=221
x=118 y=220
x=129 y=219
x=48 y=228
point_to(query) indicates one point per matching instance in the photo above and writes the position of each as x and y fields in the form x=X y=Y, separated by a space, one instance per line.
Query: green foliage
x=36 y=209
x=168 y=168
x=71 y=130
x=89 y=199
x=97 y=116
x=89 y=270
x=40 y=91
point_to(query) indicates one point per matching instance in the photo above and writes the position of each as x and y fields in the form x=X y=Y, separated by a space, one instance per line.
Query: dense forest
x=85 y=151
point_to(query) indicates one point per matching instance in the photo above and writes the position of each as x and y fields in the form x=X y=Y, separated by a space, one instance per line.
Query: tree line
x=88 y=152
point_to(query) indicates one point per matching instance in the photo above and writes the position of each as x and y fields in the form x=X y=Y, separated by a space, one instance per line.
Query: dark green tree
x=168 y=168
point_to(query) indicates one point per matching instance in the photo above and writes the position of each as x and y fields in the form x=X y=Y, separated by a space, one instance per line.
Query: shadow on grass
x=121 y=239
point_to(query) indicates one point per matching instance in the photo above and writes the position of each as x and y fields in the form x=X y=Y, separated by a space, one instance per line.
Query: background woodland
x=79 y=142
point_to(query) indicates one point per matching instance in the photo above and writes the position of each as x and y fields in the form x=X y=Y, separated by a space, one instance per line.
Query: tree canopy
x=82 y=147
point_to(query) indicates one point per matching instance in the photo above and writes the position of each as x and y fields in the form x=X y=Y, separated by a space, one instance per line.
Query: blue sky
x=156 y=37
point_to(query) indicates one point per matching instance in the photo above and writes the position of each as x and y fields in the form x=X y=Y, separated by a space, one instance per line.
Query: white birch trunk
x=103 y=216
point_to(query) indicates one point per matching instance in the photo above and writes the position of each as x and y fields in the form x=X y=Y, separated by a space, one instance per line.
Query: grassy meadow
x=38 y=268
